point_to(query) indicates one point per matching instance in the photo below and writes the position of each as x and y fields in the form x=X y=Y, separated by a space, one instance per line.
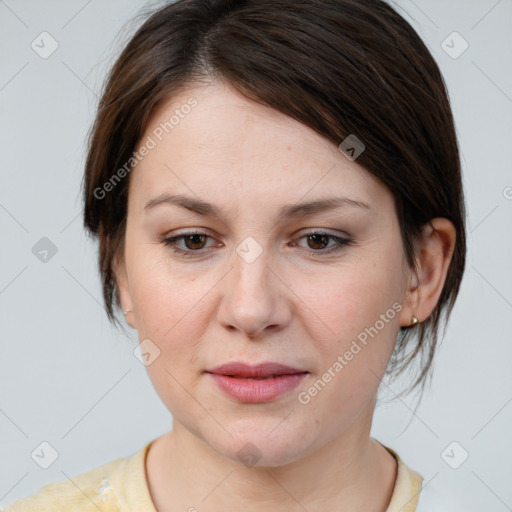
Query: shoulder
x=88 y=491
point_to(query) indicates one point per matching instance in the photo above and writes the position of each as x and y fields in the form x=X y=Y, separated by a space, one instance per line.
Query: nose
x=254 y=297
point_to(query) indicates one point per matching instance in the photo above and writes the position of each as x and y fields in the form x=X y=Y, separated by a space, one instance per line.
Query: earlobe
x=410 y=312
x=434 y=257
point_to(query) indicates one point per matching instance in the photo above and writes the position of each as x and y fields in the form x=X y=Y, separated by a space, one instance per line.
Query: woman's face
x=256 y=286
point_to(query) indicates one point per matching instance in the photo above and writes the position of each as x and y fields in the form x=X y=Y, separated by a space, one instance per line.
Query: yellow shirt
x=121 y=486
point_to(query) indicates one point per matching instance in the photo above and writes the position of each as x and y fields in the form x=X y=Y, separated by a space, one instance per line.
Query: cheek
x=354 y=354
x=353 y=313
x=351 y=296
x=168 y=297
x=170 y=307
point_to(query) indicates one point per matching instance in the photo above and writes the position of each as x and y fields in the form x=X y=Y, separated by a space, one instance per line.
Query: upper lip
x=239 y=369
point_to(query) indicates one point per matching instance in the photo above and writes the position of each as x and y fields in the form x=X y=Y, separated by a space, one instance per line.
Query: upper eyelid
x=300 y=233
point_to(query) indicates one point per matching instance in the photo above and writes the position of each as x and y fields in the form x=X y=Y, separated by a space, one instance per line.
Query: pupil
x=318 y=236
x=191 y=238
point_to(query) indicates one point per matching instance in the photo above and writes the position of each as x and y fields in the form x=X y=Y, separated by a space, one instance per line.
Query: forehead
x=211 y=140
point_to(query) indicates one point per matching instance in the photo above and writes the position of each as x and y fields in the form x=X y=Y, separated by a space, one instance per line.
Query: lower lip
x=256 y=391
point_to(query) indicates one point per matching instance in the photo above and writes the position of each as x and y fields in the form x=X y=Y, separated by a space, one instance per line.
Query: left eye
x=194 y=239
x=323 y=238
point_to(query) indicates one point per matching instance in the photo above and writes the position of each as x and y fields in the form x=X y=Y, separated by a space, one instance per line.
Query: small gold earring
x=414 y=321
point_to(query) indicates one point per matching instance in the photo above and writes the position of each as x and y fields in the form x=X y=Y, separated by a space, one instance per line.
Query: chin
x=261 y=449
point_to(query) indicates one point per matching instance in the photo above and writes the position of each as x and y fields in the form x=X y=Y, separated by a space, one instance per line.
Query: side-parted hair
x=340 y=67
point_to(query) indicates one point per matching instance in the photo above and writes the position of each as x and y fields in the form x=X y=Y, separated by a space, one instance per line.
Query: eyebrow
x=288 y=211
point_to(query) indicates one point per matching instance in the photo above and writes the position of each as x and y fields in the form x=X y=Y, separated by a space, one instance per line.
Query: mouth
x=256 y=384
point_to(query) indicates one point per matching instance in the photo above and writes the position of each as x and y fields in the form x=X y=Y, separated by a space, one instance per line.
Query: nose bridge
x=252 y=298
x=251 y=260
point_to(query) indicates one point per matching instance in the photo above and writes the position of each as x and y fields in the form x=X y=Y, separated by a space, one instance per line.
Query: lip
x=238 y=369
x=246 y=383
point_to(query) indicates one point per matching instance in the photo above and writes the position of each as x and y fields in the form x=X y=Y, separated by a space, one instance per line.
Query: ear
x=121 y=277
x=434 y=252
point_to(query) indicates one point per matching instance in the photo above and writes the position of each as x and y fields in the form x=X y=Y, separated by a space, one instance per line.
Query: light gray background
x=68 y=378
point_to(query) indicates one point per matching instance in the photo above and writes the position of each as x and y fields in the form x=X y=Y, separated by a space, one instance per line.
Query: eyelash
x=189 y=253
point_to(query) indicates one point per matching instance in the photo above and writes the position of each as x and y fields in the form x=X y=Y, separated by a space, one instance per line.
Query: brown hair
x=340 y=67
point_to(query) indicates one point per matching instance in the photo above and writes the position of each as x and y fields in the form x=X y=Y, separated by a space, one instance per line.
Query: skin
x=288 y=305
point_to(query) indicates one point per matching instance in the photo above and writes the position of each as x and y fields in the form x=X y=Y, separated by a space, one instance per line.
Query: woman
x=276 y=191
